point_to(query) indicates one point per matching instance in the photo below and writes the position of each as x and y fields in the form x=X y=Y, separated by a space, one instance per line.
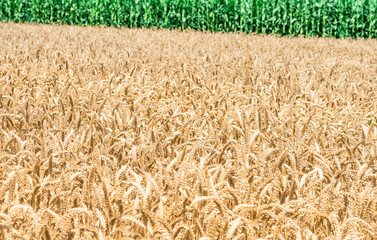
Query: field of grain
x=143 y=134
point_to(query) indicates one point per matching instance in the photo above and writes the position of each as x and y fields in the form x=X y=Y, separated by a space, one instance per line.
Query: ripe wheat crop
x=154 y=134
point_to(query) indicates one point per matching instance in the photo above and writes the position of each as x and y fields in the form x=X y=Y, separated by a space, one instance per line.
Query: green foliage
x=332 y=18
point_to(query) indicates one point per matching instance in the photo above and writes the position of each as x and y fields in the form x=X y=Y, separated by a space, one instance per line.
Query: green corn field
x=325 y=18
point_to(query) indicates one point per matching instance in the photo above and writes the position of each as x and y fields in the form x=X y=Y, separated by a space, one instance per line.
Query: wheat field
x=113 y=133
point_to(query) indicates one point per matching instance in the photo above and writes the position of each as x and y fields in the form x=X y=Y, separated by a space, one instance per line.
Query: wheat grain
x=146 y=134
